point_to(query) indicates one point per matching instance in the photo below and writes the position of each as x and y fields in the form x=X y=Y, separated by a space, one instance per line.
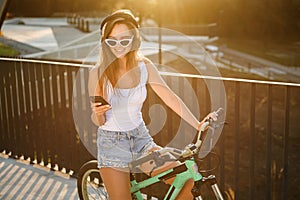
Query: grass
x=7 y=51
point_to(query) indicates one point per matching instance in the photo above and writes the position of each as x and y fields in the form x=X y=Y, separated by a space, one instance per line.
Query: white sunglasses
x=124 y=42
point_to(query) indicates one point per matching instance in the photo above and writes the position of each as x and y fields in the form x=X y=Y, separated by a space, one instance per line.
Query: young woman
x=121 y=79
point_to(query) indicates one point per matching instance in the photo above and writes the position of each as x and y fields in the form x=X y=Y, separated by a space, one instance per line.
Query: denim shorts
x=117 y=149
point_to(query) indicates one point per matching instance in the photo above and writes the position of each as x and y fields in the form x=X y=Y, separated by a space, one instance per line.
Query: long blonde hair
x=109 y=62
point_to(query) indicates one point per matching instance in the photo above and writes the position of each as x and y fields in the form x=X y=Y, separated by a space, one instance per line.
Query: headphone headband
x=123 y=16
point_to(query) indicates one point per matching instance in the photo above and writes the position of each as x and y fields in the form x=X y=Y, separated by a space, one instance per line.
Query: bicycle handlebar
x=188 y=151
x=206 y=123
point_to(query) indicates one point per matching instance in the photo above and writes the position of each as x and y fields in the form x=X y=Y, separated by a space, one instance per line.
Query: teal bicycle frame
x=90 y=184
x=190 y=170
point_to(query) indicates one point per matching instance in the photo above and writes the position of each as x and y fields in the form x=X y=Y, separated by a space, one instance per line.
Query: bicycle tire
x=89 y=182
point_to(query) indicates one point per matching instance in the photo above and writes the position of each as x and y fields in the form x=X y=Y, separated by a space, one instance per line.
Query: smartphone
x=98 y=99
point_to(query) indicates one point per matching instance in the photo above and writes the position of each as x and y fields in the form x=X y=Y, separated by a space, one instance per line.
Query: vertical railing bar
x=252 y=140
x=9 y=113
x=237 y=143
x=21 y=114
x=28 y=112
x=73 y=105
x=1 y=118
x=47 y=107
x=5 y=103
x=88 y=125
x=6 y=145
x=17 y=111
x=17 y=71
x=22 y=83
x=54 y=114
x=170 y=118
x=36 y=133
x=72 y=138
x=79 y=108
x=207 y=108
x=269 y=147
x=75 y=148
x=36 y=115
x=92 y=133
x=284 y=189
x=195 y=89
x=28 y=95
x=14 y=111
x=222 y=166
x=42 y=126
x=222 y=149
x=63 y=122
x=84 y=75
x=181 y=94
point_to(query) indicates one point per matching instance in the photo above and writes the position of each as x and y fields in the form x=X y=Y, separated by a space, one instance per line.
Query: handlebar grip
x=220 y=111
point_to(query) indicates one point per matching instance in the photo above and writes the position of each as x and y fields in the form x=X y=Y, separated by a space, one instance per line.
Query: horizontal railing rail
x=45 y=117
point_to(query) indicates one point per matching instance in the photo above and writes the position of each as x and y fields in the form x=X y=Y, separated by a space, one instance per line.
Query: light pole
x=159 y=34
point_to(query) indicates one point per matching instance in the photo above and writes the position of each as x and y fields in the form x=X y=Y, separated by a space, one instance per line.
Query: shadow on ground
x=21 y=180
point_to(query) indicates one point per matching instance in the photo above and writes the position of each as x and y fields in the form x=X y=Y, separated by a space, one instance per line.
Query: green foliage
x=7 y=51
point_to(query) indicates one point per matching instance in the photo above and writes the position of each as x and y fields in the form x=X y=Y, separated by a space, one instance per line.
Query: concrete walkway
x=21 y=180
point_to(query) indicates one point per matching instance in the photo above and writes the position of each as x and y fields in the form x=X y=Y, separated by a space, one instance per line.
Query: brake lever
x=215 y=125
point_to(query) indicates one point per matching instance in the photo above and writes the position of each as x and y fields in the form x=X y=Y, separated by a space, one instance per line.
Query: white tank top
x=126 y=105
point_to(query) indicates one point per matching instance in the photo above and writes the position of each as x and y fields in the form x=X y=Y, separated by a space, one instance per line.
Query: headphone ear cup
x=136 y=43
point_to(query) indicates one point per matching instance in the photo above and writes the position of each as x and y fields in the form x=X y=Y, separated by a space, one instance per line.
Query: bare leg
x=117 y=183
x=185 y=193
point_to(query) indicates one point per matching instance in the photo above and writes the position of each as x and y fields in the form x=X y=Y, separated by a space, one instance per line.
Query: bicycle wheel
x=89 y=182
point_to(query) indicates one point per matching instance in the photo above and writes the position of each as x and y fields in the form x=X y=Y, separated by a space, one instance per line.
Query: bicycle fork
x=212 y=181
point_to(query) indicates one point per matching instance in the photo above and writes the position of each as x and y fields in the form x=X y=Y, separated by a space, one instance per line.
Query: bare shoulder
x=153 y=73
x=147 y=61
x=149 y=64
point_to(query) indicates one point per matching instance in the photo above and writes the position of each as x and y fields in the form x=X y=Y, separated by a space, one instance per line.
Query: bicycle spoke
x=95 y=190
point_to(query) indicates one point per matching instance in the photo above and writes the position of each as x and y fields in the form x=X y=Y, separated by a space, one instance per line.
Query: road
x=260 y=66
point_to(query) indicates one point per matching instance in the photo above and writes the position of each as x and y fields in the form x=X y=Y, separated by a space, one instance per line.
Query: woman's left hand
x=212 y=115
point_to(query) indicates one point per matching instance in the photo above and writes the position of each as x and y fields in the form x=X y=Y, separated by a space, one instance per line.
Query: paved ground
x=40 y=33
x=21 y=180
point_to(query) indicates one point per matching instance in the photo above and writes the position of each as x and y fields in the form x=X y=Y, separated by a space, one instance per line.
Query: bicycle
x=90 y=184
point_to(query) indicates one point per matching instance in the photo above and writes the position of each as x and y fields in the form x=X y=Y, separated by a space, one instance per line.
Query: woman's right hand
x=99 y=109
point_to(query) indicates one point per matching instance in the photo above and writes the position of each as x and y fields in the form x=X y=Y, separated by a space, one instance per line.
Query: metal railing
x=45 y=113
